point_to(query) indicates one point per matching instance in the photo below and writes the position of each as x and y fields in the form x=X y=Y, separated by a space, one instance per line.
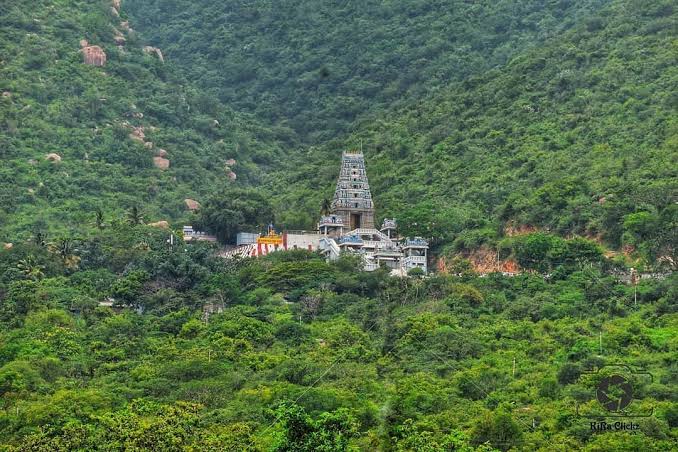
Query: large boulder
x=53 y=157
x=192 y=204
x=8 y=246
x=161 y=163
x=162 y=224
x=230 y=162
x=92 y=55
x=138 y=134
x=154 y=51
x=161 y=153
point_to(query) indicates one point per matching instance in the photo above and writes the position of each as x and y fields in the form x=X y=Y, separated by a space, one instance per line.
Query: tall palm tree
x=134 y=216
x=99 y=219
x=325 y=207
x=40 y=238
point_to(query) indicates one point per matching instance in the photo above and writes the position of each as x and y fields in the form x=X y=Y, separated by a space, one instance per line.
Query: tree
x=325 y=207
x=135 y=216
x=331 y=431
x=498 y=429
x=234 y=210
x=31 y=269
x=99 y=219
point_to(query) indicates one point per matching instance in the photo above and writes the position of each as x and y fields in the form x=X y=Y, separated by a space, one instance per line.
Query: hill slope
x=578 y=136
x=314 y=67
x=105 y=124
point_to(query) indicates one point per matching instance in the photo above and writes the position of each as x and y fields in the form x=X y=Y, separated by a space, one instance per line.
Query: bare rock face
x=161 y=163
x=161 y=153
x=154 y=50
x=230 y=162
x=191 y=204
x=148 y=145
x=52 y=157
x=160 y=224
x=92 y=55
x=231 y=175
x=119 y=40
x=8 y=246
x=116 y=5
x=138 y=134
x=115 y=12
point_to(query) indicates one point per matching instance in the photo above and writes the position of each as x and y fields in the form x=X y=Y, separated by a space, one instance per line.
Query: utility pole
x=634 y=281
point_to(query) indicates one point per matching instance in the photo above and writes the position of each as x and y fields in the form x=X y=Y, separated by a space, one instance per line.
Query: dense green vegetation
x=474 y=117
x=578 y=136
x=299 y=354
x=540 y=131
x=53 y=103
x=315 y=67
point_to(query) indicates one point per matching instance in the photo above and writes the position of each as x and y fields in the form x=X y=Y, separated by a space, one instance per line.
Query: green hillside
x=303 y=355
x=542 y=133
x=474 y=117
x=578 y=136
x=315 y=67
x=54 y=103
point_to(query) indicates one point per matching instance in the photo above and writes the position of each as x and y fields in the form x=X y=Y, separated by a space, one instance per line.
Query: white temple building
x=348 y=228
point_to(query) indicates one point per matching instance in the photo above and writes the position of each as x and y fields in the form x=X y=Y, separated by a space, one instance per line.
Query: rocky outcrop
x=154 y=51
x=53 y=157
x=192 y=204
x=231 y=175
x=482 y=260
x=8 y=246
x=230 y=162
x=512 y=230
x=116 y=5
x=92 y=55
x=161 y=153
x=161 y=163
x=137 y=134
x=160 y=224
x=119 y=40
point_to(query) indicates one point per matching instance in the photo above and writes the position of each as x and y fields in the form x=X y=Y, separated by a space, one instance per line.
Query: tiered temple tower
x=352 y=199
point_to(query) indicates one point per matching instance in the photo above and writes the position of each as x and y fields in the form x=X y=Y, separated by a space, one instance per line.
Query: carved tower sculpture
x=352 y=199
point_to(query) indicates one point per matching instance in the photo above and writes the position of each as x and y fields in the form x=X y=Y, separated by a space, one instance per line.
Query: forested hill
x=105 y=124
x=475 y=117
x=578 y=136
x=313 y=67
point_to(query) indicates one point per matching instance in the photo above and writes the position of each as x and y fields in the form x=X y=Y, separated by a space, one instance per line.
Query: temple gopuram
x=348 y=228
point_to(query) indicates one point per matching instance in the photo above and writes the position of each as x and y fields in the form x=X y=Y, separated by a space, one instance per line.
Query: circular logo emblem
x=614 y=393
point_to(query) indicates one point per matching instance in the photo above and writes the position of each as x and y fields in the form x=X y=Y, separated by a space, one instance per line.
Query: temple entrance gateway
x=355 y=221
